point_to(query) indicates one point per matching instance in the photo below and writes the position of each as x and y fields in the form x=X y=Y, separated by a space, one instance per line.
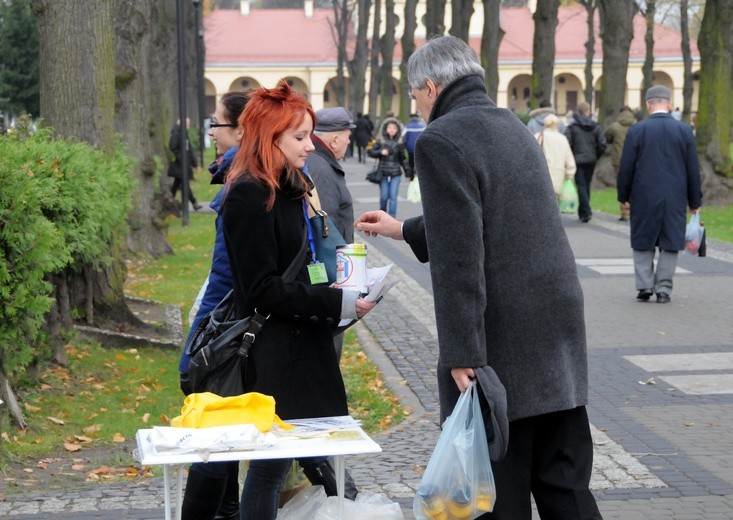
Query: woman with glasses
x=265 y=230
x=212 y=489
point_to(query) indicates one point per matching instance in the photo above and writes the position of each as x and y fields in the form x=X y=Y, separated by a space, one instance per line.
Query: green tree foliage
x=61 y=205
x=18 y=59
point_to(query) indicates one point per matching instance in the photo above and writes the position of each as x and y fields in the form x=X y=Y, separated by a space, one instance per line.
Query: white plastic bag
x=458 y=482
x=693 y=234
x=197 y=302
x=313 y=504
x=413 y=191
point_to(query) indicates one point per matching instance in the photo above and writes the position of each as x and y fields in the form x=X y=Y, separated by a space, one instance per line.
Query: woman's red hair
x=268 y=114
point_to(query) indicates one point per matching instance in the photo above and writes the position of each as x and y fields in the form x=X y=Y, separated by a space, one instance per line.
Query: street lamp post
x=183 y=152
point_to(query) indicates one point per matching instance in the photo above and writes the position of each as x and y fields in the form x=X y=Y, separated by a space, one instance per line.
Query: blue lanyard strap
x=311 y=240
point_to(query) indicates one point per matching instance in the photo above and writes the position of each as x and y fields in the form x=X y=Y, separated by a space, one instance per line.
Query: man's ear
x=433 y=89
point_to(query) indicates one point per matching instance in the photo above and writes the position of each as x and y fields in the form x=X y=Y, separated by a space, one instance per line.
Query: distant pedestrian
x=559 y=156
x=389 y=150
x=177 y=141
x=615 y=135
x=364 y=129
x=537 y=122
x=659 y=178
x=412 y=131
x=588 y=144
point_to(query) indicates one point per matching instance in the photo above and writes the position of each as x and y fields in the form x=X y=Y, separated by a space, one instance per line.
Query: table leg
x=179 y=492
x=167 y=490
x=340 y=468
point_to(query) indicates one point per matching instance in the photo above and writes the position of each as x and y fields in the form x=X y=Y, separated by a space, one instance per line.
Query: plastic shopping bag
x=694 y=234
x=568 y=197
x=313 y=504
x=458 y=482
x=413 y=191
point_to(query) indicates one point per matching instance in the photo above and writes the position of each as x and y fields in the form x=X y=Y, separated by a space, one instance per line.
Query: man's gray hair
x=442 y=59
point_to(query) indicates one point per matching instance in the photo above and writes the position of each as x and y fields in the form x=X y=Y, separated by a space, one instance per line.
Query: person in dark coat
x=175 y=143
x=506 y=288
x=588 y=144
x=293 y=359
x=363 y=134
x=658 y=179
x=390 y=151
x=615 y=135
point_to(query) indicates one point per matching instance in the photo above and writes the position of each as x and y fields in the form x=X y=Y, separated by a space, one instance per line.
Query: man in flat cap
x=658 y=179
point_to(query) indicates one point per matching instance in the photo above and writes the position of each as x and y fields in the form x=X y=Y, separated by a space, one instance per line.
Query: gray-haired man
x=504 y=279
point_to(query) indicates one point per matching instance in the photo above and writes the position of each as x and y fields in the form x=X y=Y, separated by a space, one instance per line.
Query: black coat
x=659 y=175
x=174 y=144
x=293 y=358
x=395 y=162
x=586 y=140
x=363 y=131
x=506 y=288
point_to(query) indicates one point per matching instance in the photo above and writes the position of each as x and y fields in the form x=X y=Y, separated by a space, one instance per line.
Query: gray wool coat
x=504 y=278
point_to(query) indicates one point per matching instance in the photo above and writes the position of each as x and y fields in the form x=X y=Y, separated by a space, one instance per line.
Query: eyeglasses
x=215 y=124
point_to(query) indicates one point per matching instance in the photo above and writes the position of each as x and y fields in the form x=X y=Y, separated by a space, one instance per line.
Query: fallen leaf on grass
x=78 y=467
x=117 y=437
x=94 y=428
x=41 y=465
x=32 y=408
x=146 y=418
x=70 y=446
x=55 y=420
x=82 y=438
x=28 y=470
x=5 y=436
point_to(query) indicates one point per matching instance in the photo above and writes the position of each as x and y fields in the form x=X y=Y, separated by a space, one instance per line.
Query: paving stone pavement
x=663 y=446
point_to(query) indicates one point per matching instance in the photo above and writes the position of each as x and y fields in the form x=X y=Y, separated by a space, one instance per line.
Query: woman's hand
x=385 y=151
x=363 y=307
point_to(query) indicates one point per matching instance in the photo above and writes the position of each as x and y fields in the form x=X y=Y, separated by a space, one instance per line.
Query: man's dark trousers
x=546 y=457
x=583 y=177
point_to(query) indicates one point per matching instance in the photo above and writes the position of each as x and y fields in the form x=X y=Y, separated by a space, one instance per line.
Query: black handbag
x=375 y=174
x=220 y=346
x=327 y=239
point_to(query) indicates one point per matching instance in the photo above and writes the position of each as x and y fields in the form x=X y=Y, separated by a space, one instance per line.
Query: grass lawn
x=718 y=219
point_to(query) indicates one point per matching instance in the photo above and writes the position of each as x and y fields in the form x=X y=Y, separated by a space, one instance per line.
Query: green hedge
x=61 y=206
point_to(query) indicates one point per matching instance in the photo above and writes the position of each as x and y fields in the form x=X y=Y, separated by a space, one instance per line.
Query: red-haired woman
x=293 y=358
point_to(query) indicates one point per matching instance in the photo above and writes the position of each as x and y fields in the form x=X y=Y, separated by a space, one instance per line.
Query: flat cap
x=658 y=91
x=333 y=120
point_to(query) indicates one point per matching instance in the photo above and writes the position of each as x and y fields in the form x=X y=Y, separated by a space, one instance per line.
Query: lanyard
x=311 y=239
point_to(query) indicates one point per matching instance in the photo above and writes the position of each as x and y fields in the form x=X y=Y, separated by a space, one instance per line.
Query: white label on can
x=351 y=270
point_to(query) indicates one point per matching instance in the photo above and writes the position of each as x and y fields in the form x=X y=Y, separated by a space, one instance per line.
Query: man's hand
x=626 y=205
x=694 y=210
x=462 y=377
x=375 y=223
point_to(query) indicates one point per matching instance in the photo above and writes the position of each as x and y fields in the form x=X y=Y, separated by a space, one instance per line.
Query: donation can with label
x=351 y=268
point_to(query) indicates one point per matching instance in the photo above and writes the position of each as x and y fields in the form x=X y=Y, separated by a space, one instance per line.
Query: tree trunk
x=716 y=82
x=374 y=61
x=617 y=31
x=386 y=48
x=461 y=18
x=543 y=51
x=435 y=18
x=358 y=64
x=687 y=61
x=590 y=49
x=7 y=394
x=340 y=32
x=648 y=67
x=490 y=41
x=408 y=47
x=145 y=80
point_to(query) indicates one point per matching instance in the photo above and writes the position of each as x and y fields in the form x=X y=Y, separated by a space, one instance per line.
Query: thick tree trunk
x=408 y=47
x=144 y=80
x=617 y=31
x=490 y=41
x=461 y=18
x=543 y=51
x=374 y=61
x=648 y=67
x=386 y=49
x=435 y=18
x=358 y=64
x=340 y=31
x=7 y=394
x=715 y=105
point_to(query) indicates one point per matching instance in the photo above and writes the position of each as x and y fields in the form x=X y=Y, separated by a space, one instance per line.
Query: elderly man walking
x=658 y=179
x=506 y=289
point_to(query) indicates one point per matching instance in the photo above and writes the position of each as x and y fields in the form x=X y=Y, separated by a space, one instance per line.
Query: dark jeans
x=177 y=185
x=583 y=176
x=550 y=456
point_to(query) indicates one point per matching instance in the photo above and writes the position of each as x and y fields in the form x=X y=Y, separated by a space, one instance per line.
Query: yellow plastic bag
x=204 y=410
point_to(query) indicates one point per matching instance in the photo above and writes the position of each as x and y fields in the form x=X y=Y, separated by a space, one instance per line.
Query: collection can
x=351 y=267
